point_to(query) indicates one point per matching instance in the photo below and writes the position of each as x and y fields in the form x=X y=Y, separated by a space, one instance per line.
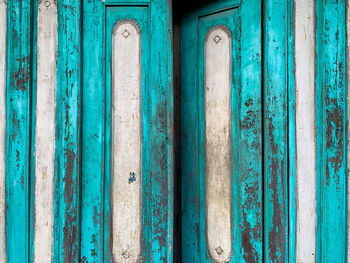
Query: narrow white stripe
x=126 y=142
x=217 y=90
x=45 y=130
x=305 y=130
x=3 y=51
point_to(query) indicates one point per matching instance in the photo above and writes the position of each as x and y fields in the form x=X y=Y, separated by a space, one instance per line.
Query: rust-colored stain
x=276 y=246
x=70 y=230
x=22 y=75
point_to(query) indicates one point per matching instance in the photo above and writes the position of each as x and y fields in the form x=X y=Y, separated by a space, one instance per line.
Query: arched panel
x=126 y=142
x=218 y=166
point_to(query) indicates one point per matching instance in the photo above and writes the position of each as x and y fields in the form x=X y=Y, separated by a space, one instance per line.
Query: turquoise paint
x=245 y=24
x=331 y=118
x=160 y=133
x=230 y=19
x=157 y=188
x=275 y=131
x=291 y=135
x=251 y=144
x=19 y=61
x=115 y=15
x=93 y=133
x=68 y=129
x=32 y=139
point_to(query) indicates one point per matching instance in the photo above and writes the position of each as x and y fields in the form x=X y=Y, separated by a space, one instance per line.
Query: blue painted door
x=241 y=22
x=234 y=133
x=89 y=163
x=127 y=183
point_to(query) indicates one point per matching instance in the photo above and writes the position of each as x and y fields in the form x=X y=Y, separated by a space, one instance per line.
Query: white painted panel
x=3 y=51
x=45 y=130
x=305 y=130
x=218 y=142
x=126 y=141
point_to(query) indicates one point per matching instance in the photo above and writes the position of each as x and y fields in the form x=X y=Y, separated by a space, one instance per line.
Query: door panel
x=126 y=130
x=89 y=164
x=127 y=213
x=221 y=134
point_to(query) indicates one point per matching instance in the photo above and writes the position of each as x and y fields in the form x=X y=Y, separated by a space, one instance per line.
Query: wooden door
x=221 y=133
x=88 y=105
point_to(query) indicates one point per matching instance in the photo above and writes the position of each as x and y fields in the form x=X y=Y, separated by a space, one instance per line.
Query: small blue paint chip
x=132 y=178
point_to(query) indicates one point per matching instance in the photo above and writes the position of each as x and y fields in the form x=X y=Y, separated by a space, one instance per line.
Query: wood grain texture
x=160 y=105
x=305 y=122
x=275 y=131
x=247 y=230
x=3 y=64
x=19 y=50
x=45 y=129
x=68 y=133
x=93 y=133
x=217 y=111
x=331 y=117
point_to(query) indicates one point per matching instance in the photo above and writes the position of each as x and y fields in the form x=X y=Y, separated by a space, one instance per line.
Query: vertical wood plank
x=190 y=186
x=45 y=126
x=160 y=134
x=292 y=224
x=275 y=131
x=93 y=132
x=250 y=229
x=348 y=128
x=18 y=129
x=3 y=63
x=305 y=130
x=331 y=117
x=67 y=184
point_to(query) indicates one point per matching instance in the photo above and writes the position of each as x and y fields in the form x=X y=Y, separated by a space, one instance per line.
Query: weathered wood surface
x=126 y=141
x=19 y=58
x=45 y=129
x=246 y=113
x=332 y=137
x=305 y=131
x=275 y=126
x=217 y=92
x=3 y=63
x=93 y=133
x=68 y=137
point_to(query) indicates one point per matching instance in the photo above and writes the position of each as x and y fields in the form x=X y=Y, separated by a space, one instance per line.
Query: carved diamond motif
x=217 y=39
x=219 y=250
x=126 y=33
